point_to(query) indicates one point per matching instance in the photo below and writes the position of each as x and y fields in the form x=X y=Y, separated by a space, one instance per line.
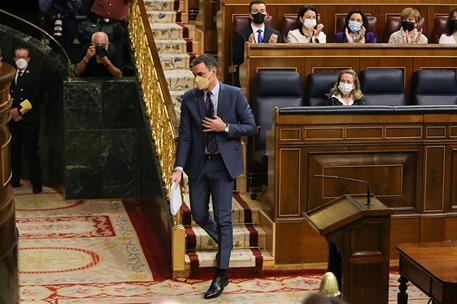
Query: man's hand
x=176 y=177
x=90 y=52
x=251 y=38
x=14 y=112
x=103 y=60
x=273 y=38
x=213 y=125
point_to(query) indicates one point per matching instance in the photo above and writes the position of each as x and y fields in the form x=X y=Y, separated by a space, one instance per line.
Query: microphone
x=352 y=180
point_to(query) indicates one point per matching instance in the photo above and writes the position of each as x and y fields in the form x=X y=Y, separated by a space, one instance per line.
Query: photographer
x=100 y=58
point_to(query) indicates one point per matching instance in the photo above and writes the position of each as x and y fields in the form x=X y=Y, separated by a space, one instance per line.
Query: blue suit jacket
x=233 y=109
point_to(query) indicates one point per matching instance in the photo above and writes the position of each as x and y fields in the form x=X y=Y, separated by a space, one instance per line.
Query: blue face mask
x=354 y=26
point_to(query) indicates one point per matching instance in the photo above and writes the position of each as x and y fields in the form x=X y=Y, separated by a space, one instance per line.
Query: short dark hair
x=21 y=48
x=302 y=12
x=356 y=11
x=209 y=61
x=256 y=2
x=449 y=27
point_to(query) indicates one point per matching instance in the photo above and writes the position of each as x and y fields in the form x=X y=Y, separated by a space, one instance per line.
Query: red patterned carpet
x=89 y=252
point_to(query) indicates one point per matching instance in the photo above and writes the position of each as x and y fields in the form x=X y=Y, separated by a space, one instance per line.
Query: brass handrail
x=67 y=58
x=159 y=107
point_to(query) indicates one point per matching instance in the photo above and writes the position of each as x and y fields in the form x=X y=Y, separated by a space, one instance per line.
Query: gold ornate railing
x=160 y=111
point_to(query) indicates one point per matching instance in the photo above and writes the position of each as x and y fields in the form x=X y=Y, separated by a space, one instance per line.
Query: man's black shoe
x=217 y=287
x=37 y=188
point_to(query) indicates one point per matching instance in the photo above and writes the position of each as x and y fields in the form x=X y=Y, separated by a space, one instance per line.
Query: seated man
x=100 y=58
x=256 y=31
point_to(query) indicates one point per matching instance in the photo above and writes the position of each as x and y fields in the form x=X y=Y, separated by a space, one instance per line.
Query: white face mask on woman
x=310 y=23
x=345 y=88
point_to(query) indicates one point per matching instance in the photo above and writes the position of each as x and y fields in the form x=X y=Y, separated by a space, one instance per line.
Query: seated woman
x=355 y=29
x=450 y=37
x=408 y=33
x=346 y=91
x=307 y=29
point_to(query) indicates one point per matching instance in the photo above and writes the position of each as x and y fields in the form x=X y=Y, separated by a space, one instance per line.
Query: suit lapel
x=199 y=100
x=221 y=101
x=267 y=35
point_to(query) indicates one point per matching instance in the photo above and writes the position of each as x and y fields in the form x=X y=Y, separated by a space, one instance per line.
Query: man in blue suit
x=213 y=118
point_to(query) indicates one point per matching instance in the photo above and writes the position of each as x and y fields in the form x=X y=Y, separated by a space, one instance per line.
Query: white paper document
x=175 y=198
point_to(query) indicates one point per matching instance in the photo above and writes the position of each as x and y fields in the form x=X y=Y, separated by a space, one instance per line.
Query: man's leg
x=16 y=153
x=199 y=204
x=30 y=135
x=222 y=185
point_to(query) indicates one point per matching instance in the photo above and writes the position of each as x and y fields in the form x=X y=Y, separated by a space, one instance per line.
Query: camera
x=100 y=50
x=58 y=26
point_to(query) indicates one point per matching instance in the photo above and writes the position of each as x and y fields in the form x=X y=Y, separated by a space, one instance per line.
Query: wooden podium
x=361 y=235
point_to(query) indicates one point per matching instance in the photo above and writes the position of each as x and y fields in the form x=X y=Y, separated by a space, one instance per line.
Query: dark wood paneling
x=289 y=183
x=432 y=229
x=434 y=179
x=392 y=176
x=410 y=168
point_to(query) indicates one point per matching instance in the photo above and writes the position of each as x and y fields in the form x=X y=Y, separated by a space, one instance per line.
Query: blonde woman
x=346 y=91
x=408 y=33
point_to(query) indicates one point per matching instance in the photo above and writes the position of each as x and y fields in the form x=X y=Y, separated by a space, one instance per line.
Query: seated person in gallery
x=408 y=33
x=346 y=91
x=307 y=29
x=256 y=31
x=100 y=58
x=450 y=37
x=356 y=29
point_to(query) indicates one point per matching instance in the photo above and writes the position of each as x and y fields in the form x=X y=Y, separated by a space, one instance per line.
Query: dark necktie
x=211 y=143
x=259 y=36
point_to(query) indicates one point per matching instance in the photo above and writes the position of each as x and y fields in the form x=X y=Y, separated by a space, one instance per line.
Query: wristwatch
x=226 y=129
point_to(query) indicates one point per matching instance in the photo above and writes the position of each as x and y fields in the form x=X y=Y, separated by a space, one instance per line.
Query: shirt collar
x=340 y=99
x=214 y=91
x=255 y=28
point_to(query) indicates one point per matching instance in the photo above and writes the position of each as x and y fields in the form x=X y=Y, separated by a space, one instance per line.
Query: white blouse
x=294 y=36
x=445 y=39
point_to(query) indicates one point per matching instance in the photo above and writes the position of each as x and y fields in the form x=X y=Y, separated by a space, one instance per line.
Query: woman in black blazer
x=346 y=91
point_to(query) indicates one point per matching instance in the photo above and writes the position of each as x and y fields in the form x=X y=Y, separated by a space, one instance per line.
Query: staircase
x=176 y=44
x=249 y=240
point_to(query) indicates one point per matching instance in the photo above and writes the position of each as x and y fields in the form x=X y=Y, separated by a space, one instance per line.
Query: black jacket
x=27 y=87
x=333 y=101
x=240 y=38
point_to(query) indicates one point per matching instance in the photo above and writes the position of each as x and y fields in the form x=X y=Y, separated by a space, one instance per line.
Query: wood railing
x=159 y=110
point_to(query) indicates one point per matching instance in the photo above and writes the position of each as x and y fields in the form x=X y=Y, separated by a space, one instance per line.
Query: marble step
x=162 y=16
x=244 y=236
x=175 y=61
x=167 y=31
x=179 y=80
x=159 y=5
x=242 y=213
x=178 y=46
x=240 y=258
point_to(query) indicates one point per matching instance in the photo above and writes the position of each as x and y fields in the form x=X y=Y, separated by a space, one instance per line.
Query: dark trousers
x=25 y=135
x=214 y=180
x=335 y=263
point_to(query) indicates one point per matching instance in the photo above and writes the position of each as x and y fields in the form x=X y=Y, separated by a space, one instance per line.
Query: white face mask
x=21 y=64
x=310 y=23
x=201 y=82
x=345 y=88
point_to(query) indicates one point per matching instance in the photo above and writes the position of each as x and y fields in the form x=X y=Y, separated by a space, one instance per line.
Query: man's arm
x=185 y=136
x=114 y=71
x=81 y=66
x=237 y=49
x=246 y=125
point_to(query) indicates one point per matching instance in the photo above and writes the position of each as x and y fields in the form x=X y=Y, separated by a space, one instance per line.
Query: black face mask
x=453 y=25
x=407 y=25
x=258 y=18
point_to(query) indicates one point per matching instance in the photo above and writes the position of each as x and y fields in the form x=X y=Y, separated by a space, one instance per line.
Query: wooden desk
x=430 y=266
